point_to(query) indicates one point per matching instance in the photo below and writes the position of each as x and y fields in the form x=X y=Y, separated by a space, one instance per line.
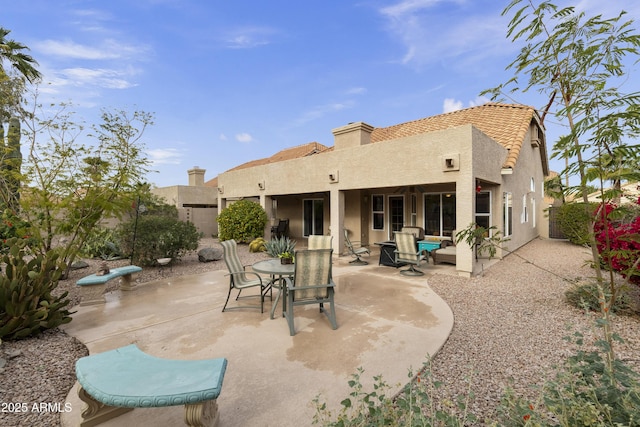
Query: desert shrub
x=12 y=226
x=101 y=243
x=242 y=221
x=585 y=296
x=574 y=221
x=258 y=245
x=157 y=237
x=27 y=303
x=413 y=406
x=584 y=391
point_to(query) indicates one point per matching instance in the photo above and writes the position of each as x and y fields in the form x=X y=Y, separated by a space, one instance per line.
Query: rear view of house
x=483 y=165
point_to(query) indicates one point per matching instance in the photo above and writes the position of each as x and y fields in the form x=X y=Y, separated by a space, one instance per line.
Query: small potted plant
x=286 y=258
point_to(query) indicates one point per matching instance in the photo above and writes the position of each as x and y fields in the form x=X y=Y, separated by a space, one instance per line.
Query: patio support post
x=465 y=215
x=267 y=203
x=336 y=203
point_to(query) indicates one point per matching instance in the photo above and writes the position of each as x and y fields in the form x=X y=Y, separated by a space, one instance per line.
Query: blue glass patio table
x=277 y=271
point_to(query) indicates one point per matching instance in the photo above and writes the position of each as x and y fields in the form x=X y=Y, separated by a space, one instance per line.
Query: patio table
x=273 y=267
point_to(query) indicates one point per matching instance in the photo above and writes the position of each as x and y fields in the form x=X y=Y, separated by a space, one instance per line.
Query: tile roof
x=286 y=154
x=507 y=124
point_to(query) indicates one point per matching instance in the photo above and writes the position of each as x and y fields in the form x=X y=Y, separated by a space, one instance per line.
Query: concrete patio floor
x=387 y=324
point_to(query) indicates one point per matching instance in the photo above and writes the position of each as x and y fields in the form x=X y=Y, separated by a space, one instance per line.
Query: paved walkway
x=387 y=323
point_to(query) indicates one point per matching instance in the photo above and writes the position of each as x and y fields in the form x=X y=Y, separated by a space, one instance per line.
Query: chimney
x=196 y=176
x=352 y=135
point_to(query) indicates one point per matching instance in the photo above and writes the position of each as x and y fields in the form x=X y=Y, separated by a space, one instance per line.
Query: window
x=313 y=217
x=507 y=200
x=483 y=209
x=524 y=217
x=396 y=213
x=439 y=213
x=377 y=207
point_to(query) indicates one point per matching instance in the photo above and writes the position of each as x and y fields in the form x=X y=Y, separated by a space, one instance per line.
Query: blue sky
x=232 y=81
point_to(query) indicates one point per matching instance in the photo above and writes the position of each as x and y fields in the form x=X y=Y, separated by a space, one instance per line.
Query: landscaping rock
x=78 y=265
x=209 y=254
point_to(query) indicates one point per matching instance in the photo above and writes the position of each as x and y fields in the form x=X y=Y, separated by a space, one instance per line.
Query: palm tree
x=11 y=51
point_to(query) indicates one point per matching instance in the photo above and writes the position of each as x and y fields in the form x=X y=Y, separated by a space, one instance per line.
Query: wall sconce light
x=449 y=162
x=261 y=185
x=221 y=189
x=333 y=176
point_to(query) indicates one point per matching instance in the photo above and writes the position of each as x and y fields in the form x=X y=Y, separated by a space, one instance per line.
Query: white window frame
x=374 y=212
x=485 y=214
x=507 y=199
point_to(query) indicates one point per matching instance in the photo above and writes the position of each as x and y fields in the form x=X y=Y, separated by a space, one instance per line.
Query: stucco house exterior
x=485 y=164
x=196 y=202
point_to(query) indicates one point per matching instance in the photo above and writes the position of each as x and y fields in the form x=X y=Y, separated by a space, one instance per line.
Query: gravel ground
x=509 y=326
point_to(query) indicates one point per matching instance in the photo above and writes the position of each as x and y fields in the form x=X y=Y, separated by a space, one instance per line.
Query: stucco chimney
x=196 y=176
x=352 y=135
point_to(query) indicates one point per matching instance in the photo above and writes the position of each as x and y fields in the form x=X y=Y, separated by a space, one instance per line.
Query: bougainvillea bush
x=619 y=241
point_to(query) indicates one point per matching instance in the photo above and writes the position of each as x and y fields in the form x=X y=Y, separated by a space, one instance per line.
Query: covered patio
x=387 y=324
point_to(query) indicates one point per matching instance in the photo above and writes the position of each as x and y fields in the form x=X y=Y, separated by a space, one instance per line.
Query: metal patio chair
x=239 y=278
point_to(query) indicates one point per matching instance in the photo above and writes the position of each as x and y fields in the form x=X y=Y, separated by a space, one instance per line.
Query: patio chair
x=311 y=284
x=239 y=278
x=280 y=230
x=447 y=252
x=407 y=252
x=319 y=242
x=355 y=252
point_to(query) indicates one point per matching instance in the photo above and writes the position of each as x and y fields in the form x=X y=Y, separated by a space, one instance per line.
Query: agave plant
x=278 y=246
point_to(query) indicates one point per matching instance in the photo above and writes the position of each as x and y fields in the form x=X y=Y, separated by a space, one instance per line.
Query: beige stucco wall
x=196 y=204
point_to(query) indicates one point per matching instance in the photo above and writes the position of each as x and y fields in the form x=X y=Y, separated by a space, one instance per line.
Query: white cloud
x=109 y=79
x=248 y=37
x=356 y=91
x=71 y=49
x=244 y=137
x=322 y=110
x=451 y=104
x=165 y=156
x=222 y=137
x=430 y=33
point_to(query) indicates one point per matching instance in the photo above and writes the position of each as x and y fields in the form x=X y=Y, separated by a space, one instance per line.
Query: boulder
x=78 y=265
x=209 y=254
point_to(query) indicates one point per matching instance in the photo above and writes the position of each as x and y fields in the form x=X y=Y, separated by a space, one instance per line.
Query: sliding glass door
x=313 y=217
x=439 y=213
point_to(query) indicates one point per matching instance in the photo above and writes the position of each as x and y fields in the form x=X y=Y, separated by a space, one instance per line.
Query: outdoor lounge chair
x=311 y=284
x=355 y=252
x=319 y=242
x=280 y=230
x=407 y=253
x=446 y=253
x=239 y=278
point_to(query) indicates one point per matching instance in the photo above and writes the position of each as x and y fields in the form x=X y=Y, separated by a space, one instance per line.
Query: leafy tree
x=578 y=64
x=74 y=185
x=242 y=221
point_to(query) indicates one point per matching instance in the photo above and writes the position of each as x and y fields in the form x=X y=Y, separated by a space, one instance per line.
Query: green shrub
x=585 y=296
x=242 y=221
x=27 y=303
x=157 y=237
x=101 y=244
x=258 y=245
x=413 y=406
x=280 y=245
x=574 y=221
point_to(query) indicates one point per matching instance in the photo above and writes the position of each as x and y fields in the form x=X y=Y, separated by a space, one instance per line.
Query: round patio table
x=273 y=267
